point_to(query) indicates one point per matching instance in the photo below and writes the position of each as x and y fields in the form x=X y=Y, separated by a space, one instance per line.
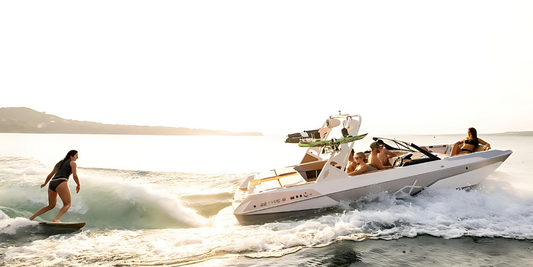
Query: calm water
x=151 y=201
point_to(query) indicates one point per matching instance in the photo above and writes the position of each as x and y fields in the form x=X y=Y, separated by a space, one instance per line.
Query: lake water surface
x=151 y=201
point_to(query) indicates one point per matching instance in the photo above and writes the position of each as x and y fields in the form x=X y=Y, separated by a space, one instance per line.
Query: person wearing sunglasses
x=360 y=165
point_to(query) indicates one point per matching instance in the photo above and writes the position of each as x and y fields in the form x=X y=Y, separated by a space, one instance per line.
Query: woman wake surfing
x=59 y=185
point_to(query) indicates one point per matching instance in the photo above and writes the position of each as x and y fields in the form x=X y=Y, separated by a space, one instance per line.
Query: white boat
x=320 y=180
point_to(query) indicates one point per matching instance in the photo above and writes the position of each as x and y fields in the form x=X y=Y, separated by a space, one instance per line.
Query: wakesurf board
x=76 y=225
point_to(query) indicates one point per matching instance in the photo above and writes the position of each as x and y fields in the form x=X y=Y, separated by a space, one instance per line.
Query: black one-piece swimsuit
x=63 y=170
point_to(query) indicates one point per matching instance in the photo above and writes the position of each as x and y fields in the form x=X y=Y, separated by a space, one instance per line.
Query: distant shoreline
x=139 y=134
x=520 y=133
x=28 y=121
x=517 y=133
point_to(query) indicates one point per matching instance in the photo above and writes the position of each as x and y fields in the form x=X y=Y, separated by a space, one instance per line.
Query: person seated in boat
x=469 y=144
x=361 y=166
x=373 y=158
x=352 y=164
x=384 y=154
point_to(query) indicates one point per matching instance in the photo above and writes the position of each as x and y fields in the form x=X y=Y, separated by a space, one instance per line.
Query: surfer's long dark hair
x=69 y=154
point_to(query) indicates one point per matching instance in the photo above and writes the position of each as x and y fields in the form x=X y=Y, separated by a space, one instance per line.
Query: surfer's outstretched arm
x=49 y=177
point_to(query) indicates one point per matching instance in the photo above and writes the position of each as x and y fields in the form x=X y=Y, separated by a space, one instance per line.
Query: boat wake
x=447 y=213
x=130 y=218
x=110 y=201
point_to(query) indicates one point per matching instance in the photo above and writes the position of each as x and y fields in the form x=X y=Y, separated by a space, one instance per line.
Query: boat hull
x=454 y=172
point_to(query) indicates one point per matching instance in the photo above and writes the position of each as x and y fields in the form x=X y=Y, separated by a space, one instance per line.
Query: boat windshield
x=393 y=144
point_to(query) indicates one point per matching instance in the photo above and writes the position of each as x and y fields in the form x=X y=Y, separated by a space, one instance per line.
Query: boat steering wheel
x=398 y=162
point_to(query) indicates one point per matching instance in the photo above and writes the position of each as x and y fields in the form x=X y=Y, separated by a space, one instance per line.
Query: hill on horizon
x=27 y=120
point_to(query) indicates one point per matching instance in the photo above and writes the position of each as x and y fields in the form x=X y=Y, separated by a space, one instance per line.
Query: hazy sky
x=414 y=67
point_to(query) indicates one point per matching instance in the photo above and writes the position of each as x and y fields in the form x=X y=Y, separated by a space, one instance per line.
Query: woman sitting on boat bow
x=469 y=144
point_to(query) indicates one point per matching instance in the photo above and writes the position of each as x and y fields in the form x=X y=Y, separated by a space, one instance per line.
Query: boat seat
x=482 y=148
